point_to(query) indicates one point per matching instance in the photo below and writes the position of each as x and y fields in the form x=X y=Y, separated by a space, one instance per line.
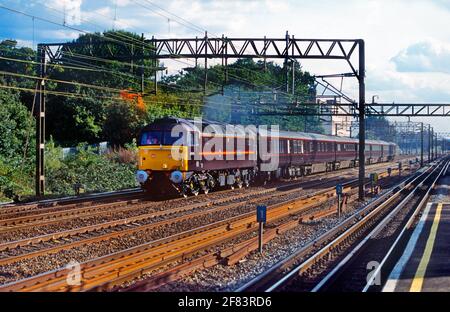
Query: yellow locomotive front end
x=162 y=156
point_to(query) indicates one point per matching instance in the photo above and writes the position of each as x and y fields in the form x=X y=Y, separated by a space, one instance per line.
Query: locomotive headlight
x=176 y=177
x=141 y=176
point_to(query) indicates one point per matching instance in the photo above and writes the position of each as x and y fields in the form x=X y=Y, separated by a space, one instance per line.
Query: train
x=199 y=158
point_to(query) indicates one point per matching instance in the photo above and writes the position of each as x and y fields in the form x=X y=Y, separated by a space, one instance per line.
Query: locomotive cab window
x=158 y=137
x=151 y=138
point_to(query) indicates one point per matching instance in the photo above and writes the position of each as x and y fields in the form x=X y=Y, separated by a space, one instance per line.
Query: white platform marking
x=400 y=265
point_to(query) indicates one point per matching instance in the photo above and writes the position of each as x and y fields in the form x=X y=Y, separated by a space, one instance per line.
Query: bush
x=94 y=172
x=124 y=155
x=15 y=178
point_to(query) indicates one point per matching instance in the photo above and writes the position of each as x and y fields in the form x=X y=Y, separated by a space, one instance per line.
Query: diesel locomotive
x=195 y=159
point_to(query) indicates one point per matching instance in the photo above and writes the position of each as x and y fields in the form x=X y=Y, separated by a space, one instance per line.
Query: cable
x=178 y=88
x=195 y=28
x=199 y=104
x=87 y=85
x=59 y=93
x=19 y=12
x=94 y=34
x=62 y=81
x=49 y=64
x=140 y=42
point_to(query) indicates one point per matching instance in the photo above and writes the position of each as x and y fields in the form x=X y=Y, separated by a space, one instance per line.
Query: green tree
x=123 y=122
x=252 y=88
x=16 y=127
x=16 y=146
x=11 y=52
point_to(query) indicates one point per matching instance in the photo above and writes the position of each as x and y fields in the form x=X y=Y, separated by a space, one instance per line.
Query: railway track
x=394 y=232
x=315 y=266
x=16 y=208
x=123 y=215
x=10 y=211
x=172 y=248
x=162 y=212
x=108 y=230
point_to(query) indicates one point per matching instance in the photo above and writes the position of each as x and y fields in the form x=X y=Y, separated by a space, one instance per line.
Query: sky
x=407 y=41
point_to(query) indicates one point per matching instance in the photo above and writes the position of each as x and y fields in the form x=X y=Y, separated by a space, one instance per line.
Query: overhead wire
x=174 y=87
x=101 y=37
x=235 y=77
x=117 y=34
x=77 y=95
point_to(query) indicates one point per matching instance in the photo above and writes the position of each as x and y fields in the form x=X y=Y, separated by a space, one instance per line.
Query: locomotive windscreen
x=155 y=137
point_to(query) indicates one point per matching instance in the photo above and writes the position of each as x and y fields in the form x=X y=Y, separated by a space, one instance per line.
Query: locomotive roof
x=283 y=134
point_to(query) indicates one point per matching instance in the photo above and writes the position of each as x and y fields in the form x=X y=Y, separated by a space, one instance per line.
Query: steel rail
x=12 y=208
x=128 y=220
x=348 y=223
x=43 y=217
x=345 y=235
x=377 y=229
x=406 y=227
x=132 y=223
x=241 y=224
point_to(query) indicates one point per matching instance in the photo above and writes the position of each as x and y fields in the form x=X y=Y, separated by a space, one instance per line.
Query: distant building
x=337 y=125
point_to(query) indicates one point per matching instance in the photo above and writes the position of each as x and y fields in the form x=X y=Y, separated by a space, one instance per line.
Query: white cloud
x=426 y=56
x=62 y=34
x=121 y=3
x=72 y=9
